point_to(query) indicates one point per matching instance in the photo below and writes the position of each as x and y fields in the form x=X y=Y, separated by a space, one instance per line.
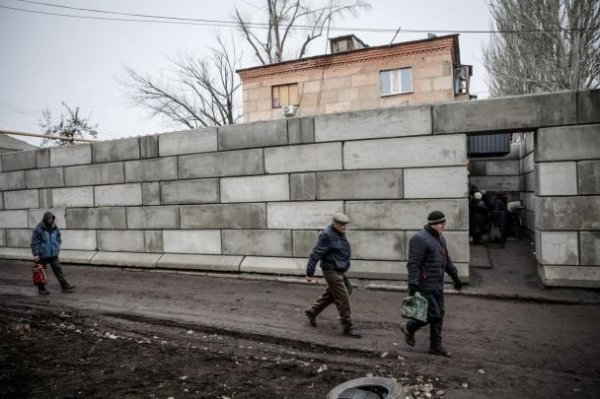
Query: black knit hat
x=436 y=217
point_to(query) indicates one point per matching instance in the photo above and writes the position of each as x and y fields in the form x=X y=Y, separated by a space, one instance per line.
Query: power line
x=232 y=24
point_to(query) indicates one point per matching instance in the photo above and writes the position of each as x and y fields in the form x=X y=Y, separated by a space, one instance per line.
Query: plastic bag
x=415 y=307
x=39 y=274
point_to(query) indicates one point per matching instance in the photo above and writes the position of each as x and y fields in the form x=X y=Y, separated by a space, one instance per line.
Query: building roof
x=327 y=60
x=8 y=143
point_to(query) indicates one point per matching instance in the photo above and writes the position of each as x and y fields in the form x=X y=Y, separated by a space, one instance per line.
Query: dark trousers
x=338 y=291
x=435 y=317
x=56 y=269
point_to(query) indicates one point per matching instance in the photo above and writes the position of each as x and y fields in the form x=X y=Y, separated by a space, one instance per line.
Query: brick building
x=357 y=77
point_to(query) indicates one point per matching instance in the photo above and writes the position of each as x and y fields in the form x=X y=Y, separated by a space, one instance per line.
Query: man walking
x=45 y=246
x=428 y=259
x=333 y=250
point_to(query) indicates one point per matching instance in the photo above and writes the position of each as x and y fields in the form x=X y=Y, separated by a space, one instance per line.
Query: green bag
x=415 y=307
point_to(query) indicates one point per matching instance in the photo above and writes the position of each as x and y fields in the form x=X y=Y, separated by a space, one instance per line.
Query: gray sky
x=47 y=59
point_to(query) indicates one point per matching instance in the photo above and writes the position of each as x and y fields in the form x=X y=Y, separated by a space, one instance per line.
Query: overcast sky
x=46 y=59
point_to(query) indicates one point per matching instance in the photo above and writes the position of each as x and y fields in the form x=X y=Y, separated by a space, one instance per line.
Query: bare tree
x=544 y=46
x=285 y=17
x=69 y=127
x=202 y=91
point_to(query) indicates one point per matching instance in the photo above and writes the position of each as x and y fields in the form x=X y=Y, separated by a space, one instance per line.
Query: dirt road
x=146 y=334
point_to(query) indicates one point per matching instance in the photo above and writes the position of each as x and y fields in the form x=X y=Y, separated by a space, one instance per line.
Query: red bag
x=39 y=274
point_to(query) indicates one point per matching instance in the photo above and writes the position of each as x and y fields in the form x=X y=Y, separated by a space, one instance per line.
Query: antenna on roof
x=395 y=34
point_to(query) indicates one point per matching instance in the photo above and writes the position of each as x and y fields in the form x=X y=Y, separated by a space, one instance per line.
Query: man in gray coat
x=428 y=259
x=333 y=250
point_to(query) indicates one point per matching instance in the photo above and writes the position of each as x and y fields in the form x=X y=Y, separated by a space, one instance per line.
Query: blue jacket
x=428 y=259
x=45 y=241
x=332 y=249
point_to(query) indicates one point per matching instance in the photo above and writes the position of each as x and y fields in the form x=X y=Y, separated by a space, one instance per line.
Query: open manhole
x=368 y=388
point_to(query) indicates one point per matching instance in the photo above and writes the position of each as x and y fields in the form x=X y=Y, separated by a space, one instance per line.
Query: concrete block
x=502 y=168
x=1 y=201
x=255 y=188
x=570 y=143
x=303 y=186
x=77 y=257
x=154 y=241
x=151 y=170
x=383 y=122
x=589 y=247
x=190 y=191
x=21 y=199
x=15 y=253
x=118 y=195
x=18 y=160
x=303 y=242
x=302 y=215
x=121 y=240
x=529 y=163
x=253 y=135
x=273 y=265
x=96 y=218
x=230 y=163
x=13 y=219
x=529 y=142
x=528 y=201
x=556 y=178
x=153 y=217
x=588 y=106
x=528 y=182
x=368 y=184
x=42 y=178
x=2 y=238
x=303 y=158
x=569 y=276
x=377 y=245
x=116 y=150
x=149 y=146
x=12 y=180
x=477 y=168
x=502 y=183
x=301 y=130
x=588 y=177
x=406 y=152
x=257 y=242
x=19 y=238
x=43 y=158
x=378 y=270
x=567 y=213
x=71 y=155
x=45 y=196
x=187 y=142
x=501 y=114
x=36 y=215
x=217 y=263
x=406 y=214
x=192 y=241
x=226 y=216
x=126 y=259
x=151 y=193
x=75 y=197
x=85 y=175
x=79 y=239
x=450 y=182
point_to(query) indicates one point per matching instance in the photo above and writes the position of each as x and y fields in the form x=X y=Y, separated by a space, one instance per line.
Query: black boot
x=312 y=318
x=351 y=332
x=439 y=350
x=67 y=289
x=42 y=290
x=409 y=336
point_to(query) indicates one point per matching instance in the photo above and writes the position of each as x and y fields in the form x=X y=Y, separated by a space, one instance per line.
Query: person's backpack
x=414 y=307
x=39 y=274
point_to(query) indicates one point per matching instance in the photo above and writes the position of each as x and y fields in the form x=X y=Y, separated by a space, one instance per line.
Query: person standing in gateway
x=45 y=246
x=428 y=259
x=333 y=250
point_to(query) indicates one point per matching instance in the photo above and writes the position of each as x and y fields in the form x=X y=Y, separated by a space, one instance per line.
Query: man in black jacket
x=333 y=250
x=428 y=259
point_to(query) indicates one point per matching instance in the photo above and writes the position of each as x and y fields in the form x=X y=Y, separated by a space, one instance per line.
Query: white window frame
x=393 y=77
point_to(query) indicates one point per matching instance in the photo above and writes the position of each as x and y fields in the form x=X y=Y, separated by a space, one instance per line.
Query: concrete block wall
x=245 y=198
x=567 y=201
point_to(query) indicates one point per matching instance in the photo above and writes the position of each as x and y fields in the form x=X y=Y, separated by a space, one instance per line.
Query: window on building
x=396 y=81
x=285 y=95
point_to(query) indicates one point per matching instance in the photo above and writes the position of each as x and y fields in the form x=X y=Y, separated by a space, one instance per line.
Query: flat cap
x=341 y=218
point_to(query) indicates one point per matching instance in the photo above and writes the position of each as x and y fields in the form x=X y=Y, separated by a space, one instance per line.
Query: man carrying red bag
x=45 y=246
